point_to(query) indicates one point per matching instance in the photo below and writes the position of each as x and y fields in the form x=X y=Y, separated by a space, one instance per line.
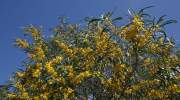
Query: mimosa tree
x=102 y=60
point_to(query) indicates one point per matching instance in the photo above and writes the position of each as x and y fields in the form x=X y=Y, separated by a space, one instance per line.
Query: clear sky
x=15 y=14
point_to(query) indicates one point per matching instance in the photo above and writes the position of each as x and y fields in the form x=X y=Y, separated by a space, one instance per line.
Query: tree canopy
x=103 y=60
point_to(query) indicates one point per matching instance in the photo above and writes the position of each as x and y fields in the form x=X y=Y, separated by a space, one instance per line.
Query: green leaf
x=142 y=10
x=108 y=14
x=117 y=19
x=164 y=33
x=168 y=22
x=91 y=20
x=143 y=15
x=161 y=19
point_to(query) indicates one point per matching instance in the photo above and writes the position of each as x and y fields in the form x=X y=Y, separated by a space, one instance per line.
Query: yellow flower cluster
x=11 y=95
x=20 y=87
x=115 y=52
x=59 y=80
x=50 y=65
x=143 y=84
x=50 y=69
x=44 y=96
x=65 y=48
x=78 y=79
x=137 y=21
x=120 y=67
x=153 y=47
x=136 y=32
x=39 y=52
x=129 y=91
x=37 y=70
x=67 y=92
x=102 y=42
x=174 y=88
x=25 y=95
x=119 y=63
x=132 y=31
x=70 y=71
x=57 y=60
x=22 y=43
x=35 y=32
x=36 y=73
x=158 y=94
x=143 y=38
x=20 y=74
x=117 y=84
x=84 y=51
x=147 y=62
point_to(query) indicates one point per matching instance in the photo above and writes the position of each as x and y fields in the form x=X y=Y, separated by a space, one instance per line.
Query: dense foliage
x=103 y=60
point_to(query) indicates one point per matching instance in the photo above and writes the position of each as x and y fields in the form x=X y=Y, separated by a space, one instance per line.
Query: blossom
x=20 y=74
x=39 y=53
x=81 y=76
x=50 y=65
x=68 y=91
x=25 y=95
x=35 y=32
x=50 y=69
x=36 y=73
x=138 y=21
x=22 y=43
x=11 y=95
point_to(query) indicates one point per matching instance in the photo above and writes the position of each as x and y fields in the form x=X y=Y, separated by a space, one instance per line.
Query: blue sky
x=14 y=14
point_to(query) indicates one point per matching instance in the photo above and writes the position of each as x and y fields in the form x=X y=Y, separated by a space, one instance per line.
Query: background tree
x=101 y=61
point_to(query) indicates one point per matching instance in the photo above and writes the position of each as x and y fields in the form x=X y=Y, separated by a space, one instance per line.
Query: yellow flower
x=131 y=33
x=50 y=69
x=161 y=40
x=50 y=81
x=153 y=47
x=36 y=73
x=25 y=95
x=36 y=98
x=81 y=76
x=174 y=88
x=44 y=96
x=38 y=65
x=120 y=67
x=67 y=92
x=50 y=65
x=136 y=87
x=35 y=32
x=157 y=94
x=39 y=52
x=147 y=62
x=67 y=50
x=19 y=86
x=11 y=95
x=22 y=43
x=20 y=74
x=60 y=80
x=128 y=91
x=56 y=60
x=137 y=21
x=70 y=71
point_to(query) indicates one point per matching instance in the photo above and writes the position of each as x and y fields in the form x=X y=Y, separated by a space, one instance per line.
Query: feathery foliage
x=101 y=61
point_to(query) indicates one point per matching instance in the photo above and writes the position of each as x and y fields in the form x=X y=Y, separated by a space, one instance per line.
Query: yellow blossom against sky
x=102 y=60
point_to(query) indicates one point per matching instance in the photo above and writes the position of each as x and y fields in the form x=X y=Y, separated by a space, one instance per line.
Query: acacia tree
x=100 y=61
